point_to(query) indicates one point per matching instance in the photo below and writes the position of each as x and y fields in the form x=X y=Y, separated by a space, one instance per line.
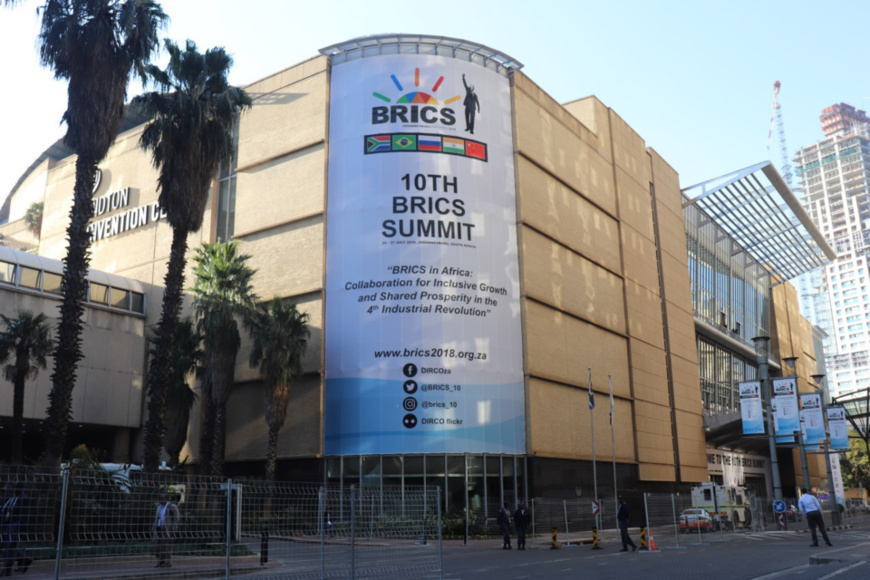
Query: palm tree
x=26 y=342
x=190 y=135
x=95 y=45
x=280 y=338
x=222 y=293
x=186 y=358
x=33 y=218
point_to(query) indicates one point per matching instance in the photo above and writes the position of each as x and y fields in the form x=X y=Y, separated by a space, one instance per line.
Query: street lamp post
x=762 y=344
x=832 y=490
x=805 y=470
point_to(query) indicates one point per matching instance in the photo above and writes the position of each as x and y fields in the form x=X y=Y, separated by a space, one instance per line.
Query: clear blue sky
x=694 y=79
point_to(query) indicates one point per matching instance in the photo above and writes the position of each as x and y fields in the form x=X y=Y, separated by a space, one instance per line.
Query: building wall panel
x=560 y=423
x=571 y=283
x=283 y=119
x=562 y=214
x=562 y=152
x=281 y=191
x=562 y=348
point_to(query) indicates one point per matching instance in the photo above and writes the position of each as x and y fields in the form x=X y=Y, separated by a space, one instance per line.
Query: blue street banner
x=813 y=420
x=838 y=428
x=750 y=407
x=785 y=404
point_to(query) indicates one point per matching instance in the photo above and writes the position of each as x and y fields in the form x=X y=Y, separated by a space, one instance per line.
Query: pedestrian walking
x=622 y=517
x=522 y=519
x=812 y=511
x=13 y=514
x=166 y=521
x=504 y=522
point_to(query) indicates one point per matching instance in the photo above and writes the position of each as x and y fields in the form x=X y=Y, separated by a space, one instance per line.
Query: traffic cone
x=652 y=544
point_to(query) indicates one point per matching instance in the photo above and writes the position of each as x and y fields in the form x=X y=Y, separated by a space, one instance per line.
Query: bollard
x=264 y=547
x=595 y=539
x=643 y=544
x=554 y=545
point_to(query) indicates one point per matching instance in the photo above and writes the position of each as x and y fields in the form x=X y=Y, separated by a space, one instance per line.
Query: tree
x=95 y=45
x=855 y=464
x=187 y=359
x=190 y=135
x=280 y=334
x=33 y=217
x=26 y=342
x=222 y=293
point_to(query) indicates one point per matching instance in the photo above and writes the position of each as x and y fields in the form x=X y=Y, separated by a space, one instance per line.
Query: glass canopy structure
x=757 y=210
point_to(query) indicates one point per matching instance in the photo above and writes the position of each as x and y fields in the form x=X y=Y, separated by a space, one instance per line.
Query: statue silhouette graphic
x=472 y=105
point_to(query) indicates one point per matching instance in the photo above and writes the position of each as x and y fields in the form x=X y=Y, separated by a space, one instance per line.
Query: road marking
x=841 y=570
x=787 y=572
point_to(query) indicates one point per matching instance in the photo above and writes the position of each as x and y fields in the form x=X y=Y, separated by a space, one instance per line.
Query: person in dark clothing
x=622 y=517
x=522 y=519
x=504 y=522
x=472 y=105
x=13 y=514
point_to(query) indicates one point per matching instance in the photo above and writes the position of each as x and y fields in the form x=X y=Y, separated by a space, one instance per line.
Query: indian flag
x=452 y=145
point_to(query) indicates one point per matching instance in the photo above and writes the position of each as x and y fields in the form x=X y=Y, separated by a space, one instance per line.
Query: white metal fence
x=91 y=523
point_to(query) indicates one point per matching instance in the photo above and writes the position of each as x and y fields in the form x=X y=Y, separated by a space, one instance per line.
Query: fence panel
x=108 y=523
x=310 y=531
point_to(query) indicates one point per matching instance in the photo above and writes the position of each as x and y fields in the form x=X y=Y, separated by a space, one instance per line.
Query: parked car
x=695 y=519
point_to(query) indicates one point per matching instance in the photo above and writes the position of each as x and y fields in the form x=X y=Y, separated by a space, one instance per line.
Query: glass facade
x=226 y=206
x=730 y=289
x=730 y=292
x=480 y=483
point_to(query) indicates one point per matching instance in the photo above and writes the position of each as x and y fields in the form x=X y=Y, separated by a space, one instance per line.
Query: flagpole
x=592 y=426
x=613 y=448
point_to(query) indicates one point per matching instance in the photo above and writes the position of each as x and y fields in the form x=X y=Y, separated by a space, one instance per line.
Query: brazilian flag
x=404 y=142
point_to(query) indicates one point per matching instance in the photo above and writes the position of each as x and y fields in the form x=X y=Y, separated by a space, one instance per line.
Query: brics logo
x=416 y=106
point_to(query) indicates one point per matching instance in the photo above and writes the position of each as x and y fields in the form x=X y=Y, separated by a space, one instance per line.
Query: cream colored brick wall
x=109 y=382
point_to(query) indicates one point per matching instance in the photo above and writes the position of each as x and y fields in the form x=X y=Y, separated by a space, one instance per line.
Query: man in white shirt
x=812 y=510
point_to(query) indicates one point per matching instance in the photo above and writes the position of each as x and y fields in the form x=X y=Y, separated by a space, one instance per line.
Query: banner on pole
x=785 y=402
x=750 y=407
x=838 y=428
x=813 y=420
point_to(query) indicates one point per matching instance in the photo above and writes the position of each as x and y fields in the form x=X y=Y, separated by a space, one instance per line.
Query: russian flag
x=429 y=142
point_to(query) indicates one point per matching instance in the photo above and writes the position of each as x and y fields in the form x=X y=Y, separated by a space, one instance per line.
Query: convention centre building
x=500 y=287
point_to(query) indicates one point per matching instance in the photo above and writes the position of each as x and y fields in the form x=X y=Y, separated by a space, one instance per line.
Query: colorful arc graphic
x=417 y=97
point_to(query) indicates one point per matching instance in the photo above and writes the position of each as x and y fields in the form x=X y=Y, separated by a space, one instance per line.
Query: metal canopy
x=380 y=44
x=759 y=211
x=857 y=407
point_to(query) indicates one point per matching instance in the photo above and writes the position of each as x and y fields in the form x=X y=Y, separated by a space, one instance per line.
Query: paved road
x=741 y=556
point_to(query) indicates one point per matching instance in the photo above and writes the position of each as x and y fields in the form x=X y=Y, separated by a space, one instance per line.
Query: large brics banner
x=422 y=329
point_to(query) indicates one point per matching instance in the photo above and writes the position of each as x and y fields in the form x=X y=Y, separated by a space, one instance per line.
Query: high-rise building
x=835 y=184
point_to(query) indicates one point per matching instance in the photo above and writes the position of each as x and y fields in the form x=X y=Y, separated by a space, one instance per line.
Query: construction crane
x=776 y=118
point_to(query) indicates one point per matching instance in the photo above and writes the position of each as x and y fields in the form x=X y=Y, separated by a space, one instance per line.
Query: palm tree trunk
x=220 y=430
x=161 y=364
x=272 y=454
x=206 y=435
x=18 y=415
x=74 y=286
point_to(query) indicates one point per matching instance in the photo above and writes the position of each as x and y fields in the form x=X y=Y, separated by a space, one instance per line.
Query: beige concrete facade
x=603 y=264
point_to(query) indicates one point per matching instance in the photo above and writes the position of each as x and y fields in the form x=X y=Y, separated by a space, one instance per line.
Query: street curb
x=831 y=529
x=815 y=560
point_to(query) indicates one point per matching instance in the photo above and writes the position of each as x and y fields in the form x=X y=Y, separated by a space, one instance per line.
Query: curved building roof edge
x=374 y=45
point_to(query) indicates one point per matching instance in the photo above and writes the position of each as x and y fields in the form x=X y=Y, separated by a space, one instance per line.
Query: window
x=226 y=202
x=120 y=298
x=7 y=273
x=137 y=302
x=31 y=278
x=51 y=283
x=99 y=293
